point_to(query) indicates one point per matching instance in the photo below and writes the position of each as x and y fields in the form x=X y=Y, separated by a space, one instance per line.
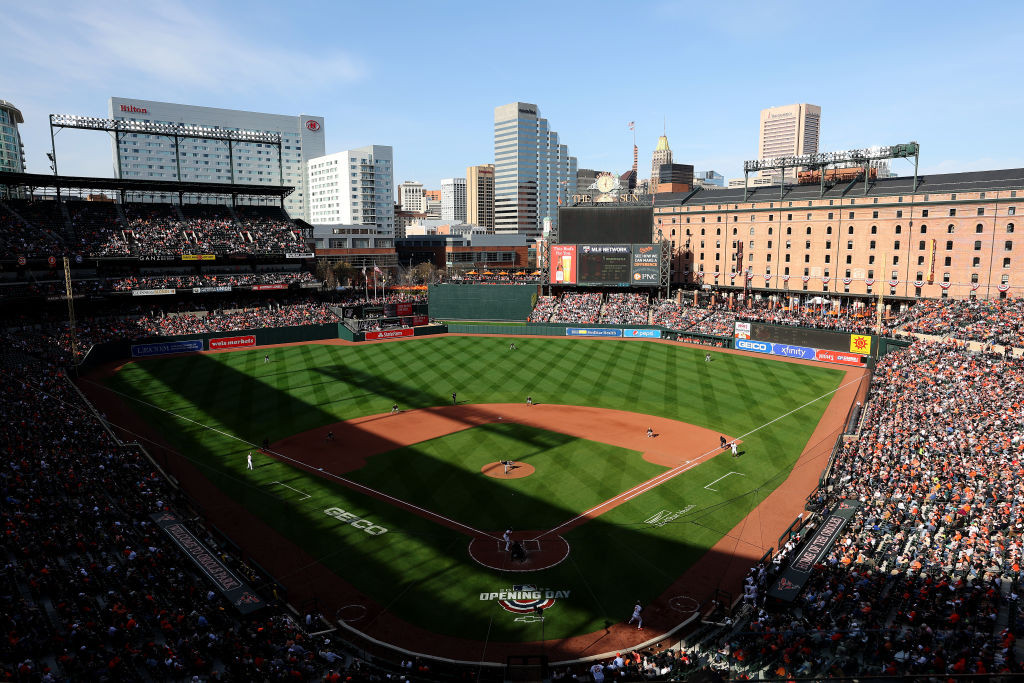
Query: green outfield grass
x=420 y=570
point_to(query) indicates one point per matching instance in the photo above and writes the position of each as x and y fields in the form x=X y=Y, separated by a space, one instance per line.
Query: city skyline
x=73 y=62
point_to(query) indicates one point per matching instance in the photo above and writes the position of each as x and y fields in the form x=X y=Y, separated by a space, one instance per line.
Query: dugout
x=482 y=302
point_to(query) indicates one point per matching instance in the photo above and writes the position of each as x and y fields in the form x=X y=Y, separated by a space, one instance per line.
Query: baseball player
x=724 y=442
x=735 y=449
x=508 y=465
x=454 y=402
x=637 y=609
x=507 y=537
x=330 y=436
x=266 y=358
x=529 y=400
x=650 y=432
x=248 y=460
x=512 y=347
x=707 y=357
x=394 y=409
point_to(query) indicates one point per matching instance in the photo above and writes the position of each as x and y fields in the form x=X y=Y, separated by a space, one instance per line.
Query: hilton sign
x=133 y=109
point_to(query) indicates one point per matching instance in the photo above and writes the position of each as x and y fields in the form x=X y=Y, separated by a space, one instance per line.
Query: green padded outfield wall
x=482 y=302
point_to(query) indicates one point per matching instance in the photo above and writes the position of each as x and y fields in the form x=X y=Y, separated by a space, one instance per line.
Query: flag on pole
x=632 y=125
x=364 y=269
x=376 y=269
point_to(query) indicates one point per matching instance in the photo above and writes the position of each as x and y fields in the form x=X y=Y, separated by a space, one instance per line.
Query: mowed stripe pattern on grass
x=420 y=570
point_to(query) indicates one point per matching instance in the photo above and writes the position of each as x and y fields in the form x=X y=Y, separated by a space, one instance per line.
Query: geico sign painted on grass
x=361 y=524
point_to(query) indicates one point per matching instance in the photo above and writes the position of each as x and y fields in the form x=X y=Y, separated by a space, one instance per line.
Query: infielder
x=637 y=609
x=249 y=460
x=735 y=449
x=507 y=536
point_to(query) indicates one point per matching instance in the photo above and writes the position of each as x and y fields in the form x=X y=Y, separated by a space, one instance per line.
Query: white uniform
x=508 y=539
x=249 y=460
x=735 y=449
x=636 y=617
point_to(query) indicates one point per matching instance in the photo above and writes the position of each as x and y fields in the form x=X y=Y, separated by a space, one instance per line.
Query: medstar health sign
x=525 y=599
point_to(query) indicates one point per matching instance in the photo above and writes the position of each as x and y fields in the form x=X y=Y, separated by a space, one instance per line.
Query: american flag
x=376 y=269
x=632 y=125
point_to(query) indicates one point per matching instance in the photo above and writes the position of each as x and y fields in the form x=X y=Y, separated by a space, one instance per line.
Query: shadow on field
x=605 y=569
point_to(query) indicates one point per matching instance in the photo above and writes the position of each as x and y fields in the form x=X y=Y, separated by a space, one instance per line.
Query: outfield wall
x=482 y=302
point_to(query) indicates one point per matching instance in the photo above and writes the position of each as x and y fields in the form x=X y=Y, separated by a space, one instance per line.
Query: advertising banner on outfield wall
x=198 y=257
x=593 y=332
x=232 y=342
x=151 y=292
x=237 y=592
x=390 y=334
x=163 y=348
x=792 y=581
x=418 y=320
x=279 y=285
x=802 y=352
x=645 y=268
x=631 y=333
x=563 y=264
x=211 y=290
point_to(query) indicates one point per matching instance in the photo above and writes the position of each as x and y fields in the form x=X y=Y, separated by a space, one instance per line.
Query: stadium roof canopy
x=43 y=180
x=972 y=181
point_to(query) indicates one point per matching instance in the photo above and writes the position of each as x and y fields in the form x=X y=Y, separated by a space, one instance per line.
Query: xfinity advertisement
x=801 y=352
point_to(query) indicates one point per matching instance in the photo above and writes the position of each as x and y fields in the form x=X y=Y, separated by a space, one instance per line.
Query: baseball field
x=402 y=514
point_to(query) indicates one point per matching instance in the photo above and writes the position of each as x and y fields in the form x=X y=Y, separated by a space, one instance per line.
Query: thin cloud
x=166 y=43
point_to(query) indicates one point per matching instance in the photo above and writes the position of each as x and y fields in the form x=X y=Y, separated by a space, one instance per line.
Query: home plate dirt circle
x=541 y=553
x=517 y=471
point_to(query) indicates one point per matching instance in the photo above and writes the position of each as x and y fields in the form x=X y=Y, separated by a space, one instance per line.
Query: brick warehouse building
x=954 y=236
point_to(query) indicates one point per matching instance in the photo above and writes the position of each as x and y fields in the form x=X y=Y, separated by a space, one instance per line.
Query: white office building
x=533 y=173
x=353 y=187
x=250 y=163
x=453 y=199
x=411 y=197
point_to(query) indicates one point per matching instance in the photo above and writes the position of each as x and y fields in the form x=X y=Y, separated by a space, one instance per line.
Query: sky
x=425 y=77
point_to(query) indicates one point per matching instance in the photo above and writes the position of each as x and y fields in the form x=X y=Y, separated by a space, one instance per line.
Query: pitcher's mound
x=517 y=471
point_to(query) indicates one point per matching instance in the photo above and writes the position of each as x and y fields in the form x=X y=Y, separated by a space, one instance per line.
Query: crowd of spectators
x=994 y=321
x=626 y=309
x=924 y=579
x=227 y=319
x=93 y=590
x=129 y=283
x=18 y=237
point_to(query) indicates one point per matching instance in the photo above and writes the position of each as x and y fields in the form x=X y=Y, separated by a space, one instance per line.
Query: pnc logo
x=133 y=109
x=313 y=125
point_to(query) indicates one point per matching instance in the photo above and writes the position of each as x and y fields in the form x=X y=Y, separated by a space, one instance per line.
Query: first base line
x=307 y=495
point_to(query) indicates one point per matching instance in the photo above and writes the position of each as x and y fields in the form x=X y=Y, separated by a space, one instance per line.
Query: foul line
x=708 y=487
x=682 y=467
x=322 y=472
x=307 y=495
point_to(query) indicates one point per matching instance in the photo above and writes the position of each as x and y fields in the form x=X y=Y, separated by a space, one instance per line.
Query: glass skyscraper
x=532 y=171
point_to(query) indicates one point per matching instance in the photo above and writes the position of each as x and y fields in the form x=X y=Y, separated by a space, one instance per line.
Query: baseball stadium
x=231 y=459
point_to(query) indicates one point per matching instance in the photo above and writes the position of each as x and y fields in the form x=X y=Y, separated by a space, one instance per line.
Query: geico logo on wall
x=364 y=525
x=759 y=346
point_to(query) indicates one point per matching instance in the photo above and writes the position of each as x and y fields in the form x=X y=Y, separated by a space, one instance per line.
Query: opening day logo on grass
x=525 y=599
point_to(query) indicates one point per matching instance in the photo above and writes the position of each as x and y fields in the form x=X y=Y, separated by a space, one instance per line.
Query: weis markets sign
x=232 y=342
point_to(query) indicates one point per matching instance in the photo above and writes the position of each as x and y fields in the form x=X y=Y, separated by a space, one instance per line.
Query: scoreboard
x=620 y=265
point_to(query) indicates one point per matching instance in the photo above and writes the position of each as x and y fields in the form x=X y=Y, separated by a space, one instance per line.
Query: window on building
x=976 y=261
x=1009 y=227
x=920 y=260
x=830 y=215
x=871 y=244
x=1008 y=245
x=789 y=230
x=849 y=258
x=899 y=212
x=896 y=244
x=1011 y=210
x=981 y=211
x=851 y=214
x=949 y=245
x=952 y=212
x=948 y=260
x=895 y=260
x=924 y=213
x=751 y=231
x=807 y=244
x=874 y=214
x=808 y=230
x=977 y=245
x=1006 y=262
x=979 y=228
x=871 y=259
x=924 y=229
x=849 y=231
x=874 y=229
x=787 y=244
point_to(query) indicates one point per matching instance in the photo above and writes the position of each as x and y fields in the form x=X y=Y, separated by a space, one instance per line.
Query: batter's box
x=531 y=546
